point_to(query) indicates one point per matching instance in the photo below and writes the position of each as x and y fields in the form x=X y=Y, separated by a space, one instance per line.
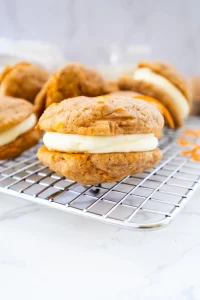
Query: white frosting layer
x=11 y=134
x=74 y=143
x=148 y=75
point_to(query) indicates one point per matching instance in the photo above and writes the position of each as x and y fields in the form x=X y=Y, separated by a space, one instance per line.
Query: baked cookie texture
x=12 y=113
x=100 y=116
x=21 y=144
x=152 y=90
x=111 y=87
x=159 y=133
x=92 y=169
x=194 y=83
x=72 y=81
x=23 y=80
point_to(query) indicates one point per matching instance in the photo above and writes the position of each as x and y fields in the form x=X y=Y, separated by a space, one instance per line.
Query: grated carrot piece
x=161 y=108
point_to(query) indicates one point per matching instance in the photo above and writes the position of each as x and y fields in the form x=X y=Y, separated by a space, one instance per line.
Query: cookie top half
x=23 y=80
x=13 y=111
x=101 y=116
x=169 y=72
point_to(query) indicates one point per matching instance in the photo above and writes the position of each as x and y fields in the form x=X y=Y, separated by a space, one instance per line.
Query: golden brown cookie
x=162 y=109
x=103 y=115
x=12 y=113
x=100 y=125
x=23 y=80
x=195 y=89
x=111 y=87
x=17 y=127
x=174 y=93
x=72 y=81
x=97 y=168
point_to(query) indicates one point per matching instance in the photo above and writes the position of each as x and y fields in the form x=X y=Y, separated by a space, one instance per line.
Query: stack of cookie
x=101 y=139
x=96 y=131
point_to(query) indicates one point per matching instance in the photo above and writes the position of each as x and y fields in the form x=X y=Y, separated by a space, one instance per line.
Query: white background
x=85 y=28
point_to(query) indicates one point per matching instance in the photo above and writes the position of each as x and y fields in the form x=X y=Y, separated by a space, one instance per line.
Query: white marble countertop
x=49 y=254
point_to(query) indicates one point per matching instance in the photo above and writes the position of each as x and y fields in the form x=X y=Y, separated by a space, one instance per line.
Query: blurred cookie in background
x=162 y=109
x=195 y=90
x=73 y=80
x=22 y=80
x=164 y=83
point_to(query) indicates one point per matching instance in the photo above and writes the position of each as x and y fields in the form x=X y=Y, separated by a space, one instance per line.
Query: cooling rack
x=147 y=200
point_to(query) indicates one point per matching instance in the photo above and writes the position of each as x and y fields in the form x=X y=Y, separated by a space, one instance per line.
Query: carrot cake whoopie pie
x=23 y=80
x=17 y=127
x=101 y=139
x=162 y=82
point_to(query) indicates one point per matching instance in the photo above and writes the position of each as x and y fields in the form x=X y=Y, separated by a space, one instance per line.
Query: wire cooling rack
x=147 y=200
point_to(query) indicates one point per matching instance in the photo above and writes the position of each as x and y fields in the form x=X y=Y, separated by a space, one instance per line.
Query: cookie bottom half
x=98 y=168
x=22 y=143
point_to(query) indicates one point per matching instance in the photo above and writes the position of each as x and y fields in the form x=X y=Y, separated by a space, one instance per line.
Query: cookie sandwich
x=101 y=139
x=162 y=82
x=17 y=127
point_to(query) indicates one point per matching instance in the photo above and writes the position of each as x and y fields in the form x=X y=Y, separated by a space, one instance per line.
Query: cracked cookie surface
x=101 y=116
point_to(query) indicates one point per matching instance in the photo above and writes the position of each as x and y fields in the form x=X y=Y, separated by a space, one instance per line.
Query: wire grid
x=146 y=200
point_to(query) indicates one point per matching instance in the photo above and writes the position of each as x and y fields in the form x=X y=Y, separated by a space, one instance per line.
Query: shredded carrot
x=193 y=153
x=192 y=132
x=182 y=142
x=161 y=108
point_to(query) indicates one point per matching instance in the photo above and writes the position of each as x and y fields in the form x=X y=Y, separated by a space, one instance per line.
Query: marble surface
x=48 y=254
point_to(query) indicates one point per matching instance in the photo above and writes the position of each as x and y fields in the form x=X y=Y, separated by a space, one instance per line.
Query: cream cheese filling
x=147 y=75
x=74 y=143
x=9 y=135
